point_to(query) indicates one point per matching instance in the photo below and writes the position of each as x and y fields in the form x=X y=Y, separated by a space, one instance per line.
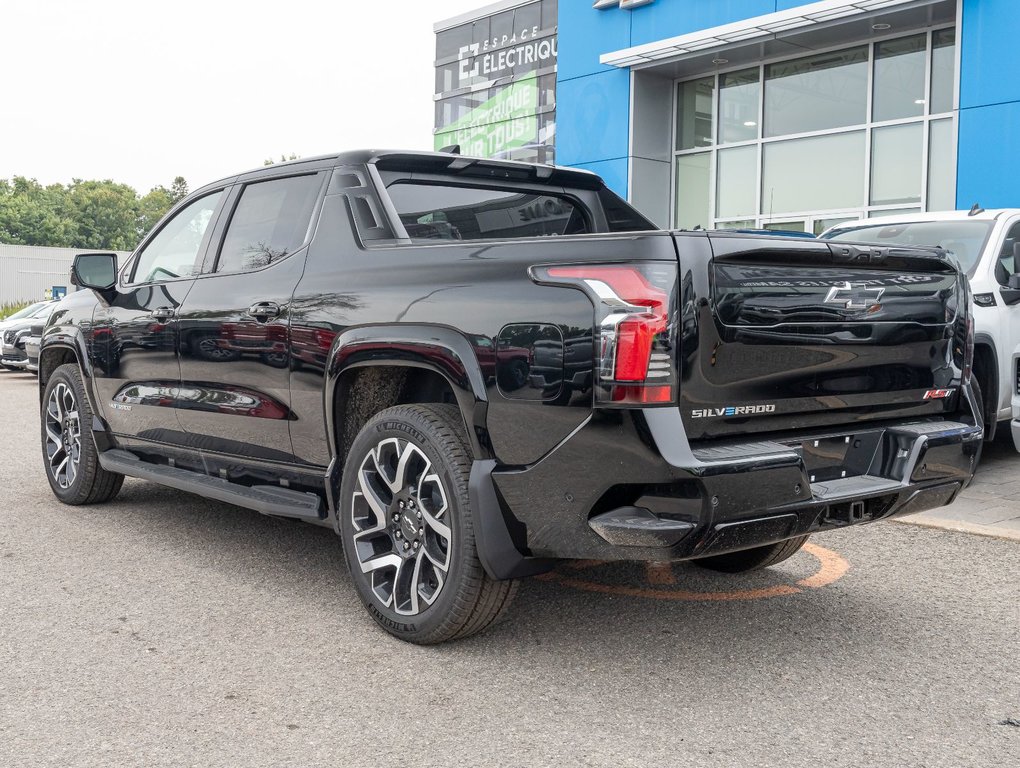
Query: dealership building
x=746 y=113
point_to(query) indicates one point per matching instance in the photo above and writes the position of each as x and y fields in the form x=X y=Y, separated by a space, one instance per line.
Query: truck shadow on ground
x=582 y=607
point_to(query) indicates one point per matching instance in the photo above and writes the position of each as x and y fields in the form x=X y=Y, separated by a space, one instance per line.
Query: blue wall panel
x=989 y=160
x=593 y=117
x=988 y=169
x=669 y=18
x=585 y=34
x=613 y=172
x=990 y=66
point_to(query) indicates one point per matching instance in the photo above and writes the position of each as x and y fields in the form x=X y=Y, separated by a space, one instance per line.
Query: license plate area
x=833 y=458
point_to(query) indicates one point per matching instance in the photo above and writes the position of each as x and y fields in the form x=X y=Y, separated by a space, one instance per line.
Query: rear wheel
x=408 y=528
x=752 y=559
x=69 y=453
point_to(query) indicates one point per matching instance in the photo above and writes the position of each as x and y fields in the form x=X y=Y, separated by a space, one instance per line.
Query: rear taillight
x=634 y=347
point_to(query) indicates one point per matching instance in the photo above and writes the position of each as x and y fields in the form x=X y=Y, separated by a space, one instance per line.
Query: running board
x=267 y=499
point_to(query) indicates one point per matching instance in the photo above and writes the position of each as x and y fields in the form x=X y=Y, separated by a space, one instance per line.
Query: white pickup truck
x=987 y=244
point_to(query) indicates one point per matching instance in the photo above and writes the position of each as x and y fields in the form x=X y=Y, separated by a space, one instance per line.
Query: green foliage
x=100 y=215
x=6 y=310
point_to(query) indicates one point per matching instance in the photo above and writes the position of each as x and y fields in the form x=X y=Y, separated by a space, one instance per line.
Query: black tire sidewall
x=418 y=431
x=77 y=490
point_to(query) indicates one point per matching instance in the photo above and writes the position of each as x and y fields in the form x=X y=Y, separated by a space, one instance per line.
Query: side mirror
x=1016 y=258
x=97 y=271
x=1011 y=294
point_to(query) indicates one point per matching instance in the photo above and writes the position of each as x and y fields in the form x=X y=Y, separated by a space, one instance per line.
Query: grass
x=6 y=310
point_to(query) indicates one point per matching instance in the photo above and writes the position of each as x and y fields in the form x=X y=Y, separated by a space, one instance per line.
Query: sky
x=141 y=92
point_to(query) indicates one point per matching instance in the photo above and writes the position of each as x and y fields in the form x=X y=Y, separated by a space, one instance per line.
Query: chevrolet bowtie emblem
x=854 y=295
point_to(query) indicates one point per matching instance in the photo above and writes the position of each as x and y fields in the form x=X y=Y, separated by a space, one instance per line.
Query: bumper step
x=638 y=527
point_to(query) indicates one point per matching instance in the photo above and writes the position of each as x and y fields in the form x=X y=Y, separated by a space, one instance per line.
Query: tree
x=152 y=208
x=105 y=213
x=31 y=214
x=178 y=190
x=87 y=214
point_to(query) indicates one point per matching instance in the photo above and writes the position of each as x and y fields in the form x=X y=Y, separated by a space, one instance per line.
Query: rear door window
x=452 y=212
x=270 y=221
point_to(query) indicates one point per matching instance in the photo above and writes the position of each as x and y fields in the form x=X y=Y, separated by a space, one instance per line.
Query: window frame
x=420 y=180
x=761 y=215
x=128 y=272
x=214 y=251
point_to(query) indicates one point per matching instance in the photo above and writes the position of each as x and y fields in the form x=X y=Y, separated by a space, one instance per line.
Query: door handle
x=163 y=313
x=264 y=310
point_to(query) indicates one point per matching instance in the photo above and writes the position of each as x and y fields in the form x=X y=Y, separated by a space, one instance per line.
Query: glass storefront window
x=852 y=164
x=820 y=225
x=817 y=93
x=896 y=157
x=736 y=181
x=943 y=70
x=527 y=17
x=899 y=78
x=739 y=96
x=695 y=103
x=741 y=224
x=813 y=174
x=785 y=226
x=941 y=167
x=693 y=184
x=893 y=212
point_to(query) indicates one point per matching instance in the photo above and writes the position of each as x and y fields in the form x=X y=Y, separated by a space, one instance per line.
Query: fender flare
x=991 y=405
x=448 y=352
x=71 y=339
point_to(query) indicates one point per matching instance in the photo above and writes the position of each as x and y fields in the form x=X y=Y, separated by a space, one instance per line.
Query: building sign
x=505 y=122
x=478 y=62
x=496 y=83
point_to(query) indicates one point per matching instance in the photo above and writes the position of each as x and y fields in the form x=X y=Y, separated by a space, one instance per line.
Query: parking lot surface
x=164 y=629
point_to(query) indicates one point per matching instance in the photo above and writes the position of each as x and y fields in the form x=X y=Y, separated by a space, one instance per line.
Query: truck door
x=235 y=324
x=134 y=343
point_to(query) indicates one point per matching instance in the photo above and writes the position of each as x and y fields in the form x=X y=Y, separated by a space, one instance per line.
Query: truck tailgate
x=783 y=334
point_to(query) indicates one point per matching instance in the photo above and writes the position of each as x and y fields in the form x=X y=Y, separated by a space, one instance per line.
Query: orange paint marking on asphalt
x=832 y=567
x=660 y=574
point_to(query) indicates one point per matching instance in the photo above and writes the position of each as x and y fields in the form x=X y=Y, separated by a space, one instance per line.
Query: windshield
x=964 y=239
x=28 y=311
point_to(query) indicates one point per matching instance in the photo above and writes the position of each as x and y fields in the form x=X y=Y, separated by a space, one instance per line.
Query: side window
x=174 y=250
x=621 y=216
x=1006 y=266
x=449 y=212
x=269 y=222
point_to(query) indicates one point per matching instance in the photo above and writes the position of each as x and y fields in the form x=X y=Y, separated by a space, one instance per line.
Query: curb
x=959 y=526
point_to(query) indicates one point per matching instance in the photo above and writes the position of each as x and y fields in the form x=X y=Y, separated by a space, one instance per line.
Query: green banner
x=504 y=122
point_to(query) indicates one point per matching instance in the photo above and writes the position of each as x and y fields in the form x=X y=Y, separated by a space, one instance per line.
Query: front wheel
x=753 y=559
x=70 y=456
x=408 y=528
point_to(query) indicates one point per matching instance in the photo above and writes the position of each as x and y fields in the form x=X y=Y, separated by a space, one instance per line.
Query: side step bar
x=267 y=499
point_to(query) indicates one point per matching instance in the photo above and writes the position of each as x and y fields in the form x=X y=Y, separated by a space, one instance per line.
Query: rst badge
x=937 y=394
x=732 y=410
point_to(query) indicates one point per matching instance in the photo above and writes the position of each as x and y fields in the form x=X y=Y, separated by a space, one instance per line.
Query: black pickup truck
x=471 y=369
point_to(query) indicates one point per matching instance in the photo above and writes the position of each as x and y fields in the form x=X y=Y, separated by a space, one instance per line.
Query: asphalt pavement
x=164 y=629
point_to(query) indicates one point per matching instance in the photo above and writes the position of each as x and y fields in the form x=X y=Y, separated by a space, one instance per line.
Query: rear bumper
x=628 y=486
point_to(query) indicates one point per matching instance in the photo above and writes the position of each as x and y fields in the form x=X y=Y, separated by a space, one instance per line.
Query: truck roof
x=433 y=162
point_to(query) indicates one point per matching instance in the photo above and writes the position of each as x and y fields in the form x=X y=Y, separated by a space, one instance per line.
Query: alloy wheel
x=402 y=529
x=63 y=435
